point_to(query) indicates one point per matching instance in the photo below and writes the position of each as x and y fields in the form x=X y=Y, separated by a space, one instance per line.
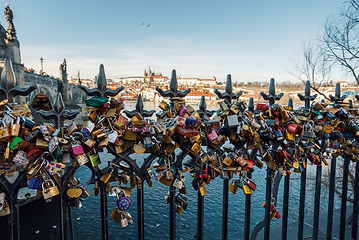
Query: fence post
x=344 y=197
x=247 y=213
x=200 y=217
x=268 y=203
x=318 y=182
x=355 y=204
x=140 y=213
x=172 y=213
x=333 y=166
x=225 y=209
x=285 y=206
x=104 y=215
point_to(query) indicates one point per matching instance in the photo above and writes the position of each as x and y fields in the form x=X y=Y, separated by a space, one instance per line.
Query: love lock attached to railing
x=282 y=138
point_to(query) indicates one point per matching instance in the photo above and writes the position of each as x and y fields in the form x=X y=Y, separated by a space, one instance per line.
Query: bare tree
x=313 y=65
x=341 y=38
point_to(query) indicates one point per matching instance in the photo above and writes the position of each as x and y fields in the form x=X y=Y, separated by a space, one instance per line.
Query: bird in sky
x=148 y=25
x=142 y=23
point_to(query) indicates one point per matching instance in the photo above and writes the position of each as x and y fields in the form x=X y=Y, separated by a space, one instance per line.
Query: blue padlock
x=278 y=135
x=191 y=122
x=35 y=183
x=27 y=122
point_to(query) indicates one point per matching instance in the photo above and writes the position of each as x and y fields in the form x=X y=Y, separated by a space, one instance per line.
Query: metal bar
x=344 y=197
x=13 y=220
x=247 y=213
x=63 y=214
x=172 y=213
x=268 y=204
x=355 y=204
x=333 y=167
x=104 y=215
x=70 y=223
x=225 y=210
x=318 y=182
x=285 y=207
x=303 y=179
x=200 y=216
x=140 y=214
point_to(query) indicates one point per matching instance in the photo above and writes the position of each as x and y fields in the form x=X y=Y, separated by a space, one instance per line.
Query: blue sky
x=252 y=40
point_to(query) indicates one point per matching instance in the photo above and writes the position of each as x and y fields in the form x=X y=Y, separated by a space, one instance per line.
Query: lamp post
x=42 y=65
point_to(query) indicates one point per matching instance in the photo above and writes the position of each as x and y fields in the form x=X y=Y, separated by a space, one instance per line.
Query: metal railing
x=273 y=178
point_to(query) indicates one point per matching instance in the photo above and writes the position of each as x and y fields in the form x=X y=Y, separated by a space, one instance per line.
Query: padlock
x=42 y=143
x=76 y=148
x=182 y=110
x=45 y=133
x=116 y=215
x=26 y=193
x=227 y=161
x=90 y=143
x=233 y=187
x=35 y=183
x=82 y=159
x=103 y=143
x=20 y=158
x=106 y=176
x=129 y=135
x=33 y=135
x=95 y=159
x=232 y=121
x=14 y=128
x=246 y=189
x=202 y=190
x=278 y=134
x=4 y=132
x=308 y=133
x=123 y=203
x=179 y=209
x=124 y=221
x=163 y=105
x=49 y=189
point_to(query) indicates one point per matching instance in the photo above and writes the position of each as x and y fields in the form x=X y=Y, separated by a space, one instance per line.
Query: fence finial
x=101 y=90
x=139 y=109
x=173 y=91
x=337 y=99
x=307 y=98
x=271 y=97
x=203 y=112
x=58 y=114
x=290 y=103
x=251 y=105
x=8 y=87
x=228 y=94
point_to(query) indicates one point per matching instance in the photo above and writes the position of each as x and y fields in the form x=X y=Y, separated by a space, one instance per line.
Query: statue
x=9 y=17
x=11 y=28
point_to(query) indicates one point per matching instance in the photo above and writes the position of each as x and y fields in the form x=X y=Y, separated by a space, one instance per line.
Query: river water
x=40 y=220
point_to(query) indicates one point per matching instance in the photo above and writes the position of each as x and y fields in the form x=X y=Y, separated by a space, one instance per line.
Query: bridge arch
x=44 y=90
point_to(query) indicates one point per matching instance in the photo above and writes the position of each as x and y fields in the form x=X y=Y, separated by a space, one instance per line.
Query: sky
x=251 y=40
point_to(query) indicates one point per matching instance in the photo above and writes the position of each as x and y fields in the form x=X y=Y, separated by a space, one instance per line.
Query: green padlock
x=14 y=142
x=95 y=159
x=96 y=101
x=58 y=154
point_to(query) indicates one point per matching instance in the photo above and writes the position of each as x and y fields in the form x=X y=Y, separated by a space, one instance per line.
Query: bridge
x=47 y=86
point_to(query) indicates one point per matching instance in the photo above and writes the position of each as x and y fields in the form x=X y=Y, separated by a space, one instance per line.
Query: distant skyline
x=253 y=41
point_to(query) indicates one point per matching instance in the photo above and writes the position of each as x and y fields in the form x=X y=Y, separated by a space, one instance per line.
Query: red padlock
x=32 y=152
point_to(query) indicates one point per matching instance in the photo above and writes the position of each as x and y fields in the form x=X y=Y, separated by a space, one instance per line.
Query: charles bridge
x=48 y=85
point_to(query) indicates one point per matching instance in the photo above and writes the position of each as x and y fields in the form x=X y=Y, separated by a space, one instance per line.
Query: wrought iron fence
x=253 y=141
